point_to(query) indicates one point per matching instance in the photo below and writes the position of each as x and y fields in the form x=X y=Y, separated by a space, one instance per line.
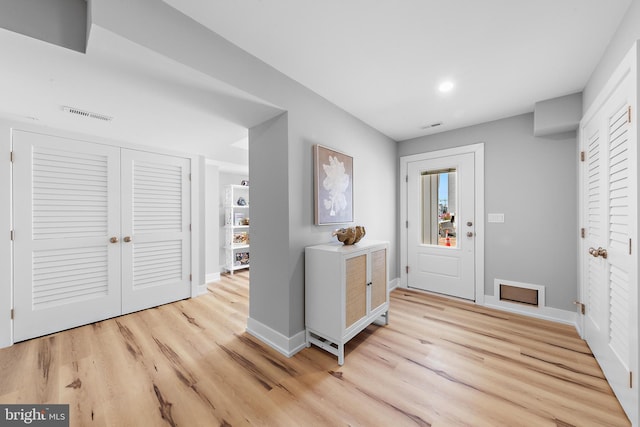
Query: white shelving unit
x=236 y=220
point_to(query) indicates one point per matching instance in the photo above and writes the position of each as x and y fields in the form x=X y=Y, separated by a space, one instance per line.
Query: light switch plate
x=495 y=217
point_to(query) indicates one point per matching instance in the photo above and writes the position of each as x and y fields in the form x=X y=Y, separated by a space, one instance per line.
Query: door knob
x=598 y=252
x=114 y=239
x=469 y=223
x=469 y=234
x=127 y=239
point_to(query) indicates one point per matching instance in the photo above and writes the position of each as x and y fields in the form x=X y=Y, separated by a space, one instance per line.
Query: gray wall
x=282 y=209
x=628 y=32
x=60 y=22
x=533 y=181
x=271 y=277
x=212 y=226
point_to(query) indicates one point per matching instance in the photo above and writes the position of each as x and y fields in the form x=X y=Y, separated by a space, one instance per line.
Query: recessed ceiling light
x=446 y=86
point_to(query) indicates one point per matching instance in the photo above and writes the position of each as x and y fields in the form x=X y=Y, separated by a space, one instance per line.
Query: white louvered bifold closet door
x=66 y=208
x=609 y=188
x=156 y=219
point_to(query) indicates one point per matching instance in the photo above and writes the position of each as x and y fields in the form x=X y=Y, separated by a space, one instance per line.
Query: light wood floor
x=439 y=362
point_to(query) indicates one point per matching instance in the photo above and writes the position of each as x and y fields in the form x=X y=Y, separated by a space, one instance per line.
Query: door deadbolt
x=469 y=223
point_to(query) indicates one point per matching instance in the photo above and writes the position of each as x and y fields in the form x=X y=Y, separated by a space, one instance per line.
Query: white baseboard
x=212 y=277
x=209 y=278
x=545 y=313
x=283 y=344
x=394 y=283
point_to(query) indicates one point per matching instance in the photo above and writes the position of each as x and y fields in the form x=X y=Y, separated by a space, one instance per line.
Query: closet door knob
x=114 y=240
x=127 y=239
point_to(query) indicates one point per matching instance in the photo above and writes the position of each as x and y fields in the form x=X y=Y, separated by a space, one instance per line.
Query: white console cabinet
x=346 y=289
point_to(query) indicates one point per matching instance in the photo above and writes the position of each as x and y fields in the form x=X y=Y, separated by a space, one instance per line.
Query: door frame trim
x=478 y=151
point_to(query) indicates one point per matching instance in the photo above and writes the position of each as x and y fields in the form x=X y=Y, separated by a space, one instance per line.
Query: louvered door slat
x=156 y=214
x=594 y=189
x=619 y=211
x=157 y=188
x=596 y=297
x=67 y=272
x=58 y=185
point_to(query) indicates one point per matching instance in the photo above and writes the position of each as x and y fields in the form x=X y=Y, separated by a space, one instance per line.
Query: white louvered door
x=100 y=231
x=66 y=208
x=609 y=210
x=156 y=220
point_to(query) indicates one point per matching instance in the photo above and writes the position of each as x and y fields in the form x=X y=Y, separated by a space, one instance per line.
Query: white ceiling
x=379 y=60
x=382 y=60
x=154 y=101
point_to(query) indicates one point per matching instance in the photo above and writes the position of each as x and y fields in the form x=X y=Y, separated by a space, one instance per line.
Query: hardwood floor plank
x=440 y=362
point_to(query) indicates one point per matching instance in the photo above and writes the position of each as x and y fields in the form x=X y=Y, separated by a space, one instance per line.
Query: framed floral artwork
x=333 y=186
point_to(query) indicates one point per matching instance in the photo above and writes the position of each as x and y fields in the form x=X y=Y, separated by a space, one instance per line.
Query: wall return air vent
x=88 y=114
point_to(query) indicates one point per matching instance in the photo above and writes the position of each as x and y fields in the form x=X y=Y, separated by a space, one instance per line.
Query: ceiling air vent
x=432 y=125
x=84 y=113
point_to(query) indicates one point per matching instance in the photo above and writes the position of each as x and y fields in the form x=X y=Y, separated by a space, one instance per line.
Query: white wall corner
x=287 y=346
x=209 y=278
x=202 y=289
x=394 y=283
x=212 y=277
x=198 y=215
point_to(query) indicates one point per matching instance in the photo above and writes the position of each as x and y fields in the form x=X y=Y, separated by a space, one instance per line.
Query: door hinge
x=629 y=114
x=189 y=177
x=406 y=224
x=191 y=277
x=407 y=269
x=582 y=156
x=581 y=306
x=12 y=235
x=629 y=246
x=190 y=227
x=583 y=233
x=12 y=314
x=630 y=379
x=406 y=178
x=11 y=157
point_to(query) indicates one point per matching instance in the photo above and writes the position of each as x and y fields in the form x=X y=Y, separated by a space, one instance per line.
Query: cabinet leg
x=340 y=354
x=386 y=317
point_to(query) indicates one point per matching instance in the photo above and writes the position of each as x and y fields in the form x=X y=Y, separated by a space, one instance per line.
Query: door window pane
x=439 y=197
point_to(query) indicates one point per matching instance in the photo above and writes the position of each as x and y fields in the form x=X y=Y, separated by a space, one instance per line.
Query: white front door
x=66 y=210
x=609 y=272
x=441 y=225
x=156 y=230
